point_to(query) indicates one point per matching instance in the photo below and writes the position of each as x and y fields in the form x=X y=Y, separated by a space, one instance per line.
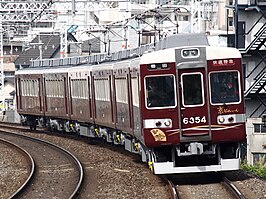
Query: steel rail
x=25 y=185
x=77 y=162
x=232 y=188
x=171 y=187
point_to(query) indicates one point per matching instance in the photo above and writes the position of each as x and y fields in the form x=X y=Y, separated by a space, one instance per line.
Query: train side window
x=192 y=89
x=102 y=89
x=225 y=87
x=121 y=90
x=160 y=91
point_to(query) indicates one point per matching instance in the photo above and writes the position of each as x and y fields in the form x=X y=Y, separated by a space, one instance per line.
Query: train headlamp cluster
x=158 y=66
x=158 y=123
x=167 y=123
x=226 y=119
x=190 y=53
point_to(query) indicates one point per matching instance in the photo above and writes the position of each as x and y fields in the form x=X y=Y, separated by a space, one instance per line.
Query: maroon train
x=181 y=109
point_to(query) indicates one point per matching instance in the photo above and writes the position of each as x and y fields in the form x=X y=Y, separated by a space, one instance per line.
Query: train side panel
x=103 y=96
x=122 y=95
x=80 y=94
x=135 y=96
x=29 y=93
x=56 y=93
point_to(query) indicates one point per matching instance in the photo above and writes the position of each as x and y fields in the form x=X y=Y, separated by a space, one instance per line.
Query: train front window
x=192 y=89
x=160 y=91
x=224 y=87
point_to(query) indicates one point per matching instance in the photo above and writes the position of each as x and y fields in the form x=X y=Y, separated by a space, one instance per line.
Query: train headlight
x=165 y=66
x=221 y=120
x=167 y=123
x=231 y=119
x=158 y=124
x=190 y=53
x=153 y=66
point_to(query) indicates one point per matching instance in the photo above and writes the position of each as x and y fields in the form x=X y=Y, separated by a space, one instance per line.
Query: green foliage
x=258 y=169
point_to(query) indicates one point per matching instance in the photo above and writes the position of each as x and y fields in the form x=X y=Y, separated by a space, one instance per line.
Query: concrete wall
x=256 y=142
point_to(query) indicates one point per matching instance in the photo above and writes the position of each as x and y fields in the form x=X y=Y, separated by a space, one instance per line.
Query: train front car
x=193 y=109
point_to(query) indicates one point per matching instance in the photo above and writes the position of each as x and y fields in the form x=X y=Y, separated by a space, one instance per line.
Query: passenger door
x=193 y=103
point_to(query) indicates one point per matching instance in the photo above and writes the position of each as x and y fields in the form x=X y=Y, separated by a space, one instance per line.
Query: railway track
x=175 y=191
x=59 y=173
x=27 y=162
x=232 y=189
x=215 y=189
x=118 y=171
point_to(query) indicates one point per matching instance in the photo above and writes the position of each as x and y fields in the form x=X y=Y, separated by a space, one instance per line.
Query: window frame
x=146 y=93
x=239 y=87
x=202 y=88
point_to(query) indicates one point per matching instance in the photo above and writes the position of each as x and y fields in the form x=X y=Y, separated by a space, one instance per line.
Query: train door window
x=121 y=90
x=81 y=89
x=18 y=87
x=53 y=87
x=56 y=90
x=30 y=87
x=33 y=88
x=62 y=88
x=84 y=89
x=27 y=88
x=22 y=88
x=33 y=93
x=135 y=91
x=160 y=91
x=74 y=89
x=225 y=87
x=59 y=88
x=192 y=88
x=48 y=88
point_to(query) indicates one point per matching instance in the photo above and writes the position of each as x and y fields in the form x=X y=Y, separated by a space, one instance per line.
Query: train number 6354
x=193 y=120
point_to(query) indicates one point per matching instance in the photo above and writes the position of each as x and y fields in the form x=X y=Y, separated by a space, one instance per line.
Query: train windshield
x=160 y=91
x=192 y=89
x=224 y=87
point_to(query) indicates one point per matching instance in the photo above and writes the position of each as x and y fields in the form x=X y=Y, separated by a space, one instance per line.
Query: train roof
x=38 y=70
x=213 y=52
x=80 y=68
x=56 y=70
x=161 y=56
x=29 y=71
x=168 y=55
